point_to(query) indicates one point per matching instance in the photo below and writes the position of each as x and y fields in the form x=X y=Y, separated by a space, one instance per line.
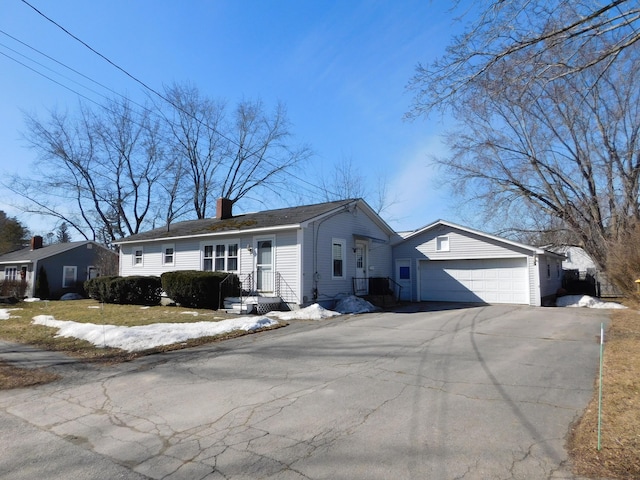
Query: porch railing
x=377 y=286
x=248 y=288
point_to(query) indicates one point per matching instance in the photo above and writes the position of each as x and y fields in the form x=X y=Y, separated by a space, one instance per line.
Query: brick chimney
x=223 y=208
x=36 y=242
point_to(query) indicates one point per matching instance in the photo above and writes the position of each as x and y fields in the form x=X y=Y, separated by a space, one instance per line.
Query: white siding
x=187 y=255
x=463 y=245
x=286 y=262
x=318 y=240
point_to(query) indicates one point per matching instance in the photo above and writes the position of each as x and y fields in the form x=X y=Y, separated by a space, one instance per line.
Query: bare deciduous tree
x=197 y=145
x=97 y=171
x=260 y=151
x=526 y=34
x=229 y=153
x=114 y=170
x=549 y=117
x=345 y=181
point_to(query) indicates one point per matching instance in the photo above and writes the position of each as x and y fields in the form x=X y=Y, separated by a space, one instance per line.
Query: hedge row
x=190 y=288
x=196 y=289
x=125 y=290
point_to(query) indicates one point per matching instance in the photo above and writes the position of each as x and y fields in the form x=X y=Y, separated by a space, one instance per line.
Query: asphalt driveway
x=484 y=392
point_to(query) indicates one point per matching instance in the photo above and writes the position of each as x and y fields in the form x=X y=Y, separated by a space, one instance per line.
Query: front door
x=403 y=278
x=264 y=265
x=362 y=282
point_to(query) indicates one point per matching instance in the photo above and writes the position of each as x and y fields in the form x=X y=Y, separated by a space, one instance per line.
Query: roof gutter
x=213 y=234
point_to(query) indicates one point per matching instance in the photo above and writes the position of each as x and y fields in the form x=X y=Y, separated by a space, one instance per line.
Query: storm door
x=361 y=281
x=264 y=265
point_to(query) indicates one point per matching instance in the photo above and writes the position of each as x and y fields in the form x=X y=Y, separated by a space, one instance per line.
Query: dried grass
x=20 y=329
x=13 y=377
x=619 y=456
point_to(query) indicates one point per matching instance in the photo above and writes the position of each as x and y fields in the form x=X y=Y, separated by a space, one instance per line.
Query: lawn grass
x=20 y=329
x=619 y=455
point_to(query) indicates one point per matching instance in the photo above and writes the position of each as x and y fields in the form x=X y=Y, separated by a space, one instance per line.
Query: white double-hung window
x=69 y=276
x=137 y=257
x=338 y=257
x=220 y=256
x=168 y=254
x=10 y=273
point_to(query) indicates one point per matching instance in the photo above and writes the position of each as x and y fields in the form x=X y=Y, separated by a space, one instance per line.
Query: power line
x=56 y=61
x=161 y=96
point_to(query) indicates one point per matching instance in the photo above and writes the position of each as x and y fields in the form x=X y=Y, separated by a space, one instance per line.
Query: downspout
x=33 y=278
x=316 y=231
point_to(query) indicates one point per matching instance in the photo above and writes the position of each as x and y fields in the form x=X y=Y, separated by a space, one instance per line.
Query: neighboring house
x=448 y=262
x=67 y=265
x=580 y=268
x=302 y=255
x=576 y=259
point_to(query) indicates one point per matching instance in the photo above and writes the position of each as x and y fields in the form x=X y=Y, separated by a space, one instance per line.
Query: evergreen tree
x=12 y=234
x=62 y=234
x=42 y=284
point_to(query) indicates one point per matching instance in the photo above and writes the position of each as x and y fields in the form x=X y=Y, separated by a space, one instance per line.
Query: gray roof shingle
x=26 y=255
x=247 y=221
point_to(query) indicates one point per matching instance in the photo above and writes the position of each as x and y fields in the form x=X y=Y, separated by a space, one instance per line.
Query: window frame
x=220 y=255
x=10 y=268
x=64 y=276
x=443 y=243
x=135 y=256
x=342 y=243
x=166 y=247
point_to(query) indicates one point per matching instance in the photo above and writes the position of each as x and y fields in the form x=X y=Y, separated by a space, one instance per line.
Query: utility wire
x=56 y=61
x=163 y=97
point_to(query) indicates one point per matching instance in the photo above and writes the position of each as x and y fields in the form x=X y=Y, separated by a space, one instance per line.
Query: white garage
x=446 y=262
x=503 y=280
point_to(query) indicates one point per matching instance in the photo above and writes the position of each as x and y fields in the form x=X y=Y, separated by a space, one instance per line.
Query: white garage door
x=502 y=280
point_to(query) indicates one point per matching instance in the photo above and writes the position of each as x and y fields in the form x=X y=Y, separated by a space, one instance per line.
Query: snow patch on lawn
x=585 y=301
x=5 y=313
x=133 y=339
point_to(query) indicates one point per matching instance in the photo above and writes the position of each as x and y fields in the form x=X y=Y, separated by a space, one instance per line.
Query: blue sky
x=340 y=67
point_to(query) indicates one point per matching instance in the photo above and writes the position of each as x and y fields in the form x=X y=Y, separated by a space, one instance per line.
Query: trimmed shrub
x=196 y=289
x=136 y=290
x=98 y=288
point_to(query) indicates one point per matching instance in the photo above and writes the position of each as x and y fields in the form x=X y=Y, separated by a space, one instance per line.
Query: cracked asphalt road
x=482 y=392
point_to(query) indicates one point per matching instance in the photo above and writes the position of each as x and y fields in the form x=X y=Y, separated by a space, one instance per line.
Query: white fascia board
x=251 y=231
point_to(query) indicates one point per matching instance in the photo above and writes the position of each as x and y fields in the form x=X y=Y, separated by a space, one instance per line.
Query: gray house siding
x=81 y=257
x=77 y=257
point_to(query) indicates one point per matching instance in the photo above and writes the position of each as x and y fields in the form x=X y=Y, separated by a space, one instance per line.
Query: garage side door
x=502 y=280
